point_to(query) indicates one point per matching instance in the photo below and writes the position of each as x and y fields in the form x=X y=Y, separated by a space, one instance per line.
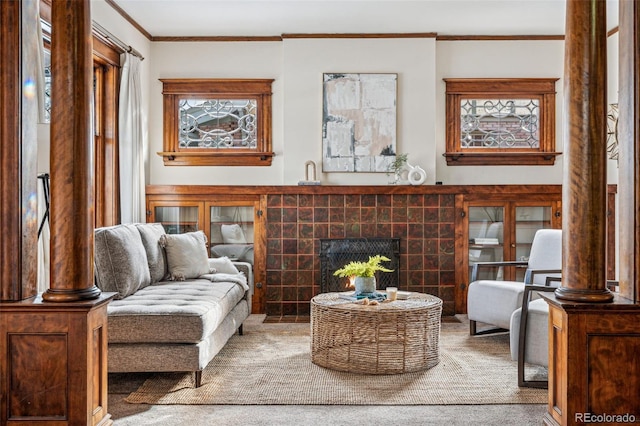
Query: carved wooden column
x=584 y=186
x=18 y=144
x=72 y=209
x=54 y=351
x=593 y=345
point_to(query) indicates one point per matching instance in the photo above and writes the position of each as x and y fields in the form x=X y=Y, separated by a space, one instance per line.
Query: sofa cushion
x=120 y=260
x=223 y=265
x=156 y=258
x=171 y=312
x=233 y=234
x=186 y=255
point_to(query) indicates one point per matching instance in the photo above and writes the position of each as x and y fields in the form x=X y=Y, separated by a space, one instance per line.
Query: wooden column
x=72 y=181
x=593 y=374
x=18 y=145
x=629 y=148
x=584 y=191
x=53 y=368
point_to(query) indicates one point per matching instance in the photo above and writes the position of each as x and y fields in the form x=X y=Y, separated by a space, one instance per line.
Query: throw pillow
x=186 y=255
x=150 y=234
x=120 y=260
x=233 y=234
x=223 y=265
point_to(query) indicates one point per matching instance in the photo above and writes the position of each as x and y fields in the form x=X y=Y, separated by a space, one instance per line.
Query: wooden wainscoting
x=56 y=362
x=593 y=368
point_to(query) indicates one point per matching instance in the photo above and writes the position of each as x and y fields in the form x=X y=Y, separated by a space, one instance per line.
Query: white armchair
x=529 y=332
x=493 y=302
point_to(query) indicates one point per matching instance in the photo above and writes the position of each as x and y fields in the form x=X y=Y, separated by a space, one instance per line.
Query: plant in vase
x=362 y=274
x=396 y=169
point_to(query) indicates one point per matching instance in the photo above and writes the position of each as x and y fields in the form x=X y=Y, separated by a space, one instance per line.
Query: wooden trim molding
x=215 y=38
x=498 y=37
x=360 y=35
x=502 y=159
x=129 y=19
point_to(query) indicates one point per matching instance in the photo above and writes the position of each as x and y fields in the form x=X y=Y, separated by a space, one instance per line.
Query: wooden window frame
x=173 y=90
x=106 y=72
x=542 y=89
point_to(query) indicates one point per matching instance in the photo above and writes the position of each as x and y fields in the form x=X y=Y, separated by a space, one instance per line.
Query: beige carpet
x=270 y=364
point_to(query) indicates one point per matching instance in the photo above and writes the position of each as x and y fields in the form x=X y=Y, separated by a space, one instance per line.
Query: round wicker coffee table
x=388 y=338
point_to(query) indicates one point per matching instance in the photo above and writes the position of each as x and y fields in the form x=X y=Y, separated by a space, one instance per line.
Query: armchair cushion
x=537 y=334
x=494 y=301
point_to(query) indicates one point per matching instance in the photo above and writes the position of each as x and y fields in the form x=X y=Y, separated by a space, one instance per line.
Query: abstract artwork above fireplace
x=358 y=122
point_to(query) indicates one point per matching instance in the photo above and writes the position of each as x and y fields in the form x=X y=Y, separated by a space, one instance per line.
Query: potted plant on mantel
x=362 y=274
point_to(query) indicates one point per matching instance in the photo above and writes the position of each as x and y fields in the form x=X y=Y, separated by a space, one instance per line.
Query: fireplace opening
x=335 y=253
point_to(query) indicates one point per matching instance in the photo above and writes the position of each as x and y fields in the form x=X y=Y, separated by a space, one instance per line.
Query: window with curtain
x=106 y=73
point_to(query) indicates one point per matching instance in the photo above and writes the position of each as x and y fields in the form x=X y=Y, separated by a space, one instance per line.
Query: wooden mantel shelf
x=351 y=189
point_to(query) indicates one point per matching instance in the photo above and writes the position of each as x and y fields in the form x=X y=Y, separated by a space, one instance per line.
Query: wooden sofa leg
x=198 y=377
x=240 y=330
x=472 y=328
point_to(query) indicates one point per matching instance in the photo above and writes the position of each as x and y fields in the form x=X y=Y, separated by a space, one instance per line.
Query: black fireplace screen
x=335 y=253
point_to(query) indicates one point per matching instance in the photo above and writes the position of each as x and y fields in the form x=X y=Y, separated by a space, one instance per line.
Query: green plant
x=364 y=269
x=397 y=164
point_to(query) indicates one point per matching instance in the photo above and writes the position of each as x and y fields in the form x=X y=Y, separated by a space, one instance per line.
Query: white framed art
x=358 y=122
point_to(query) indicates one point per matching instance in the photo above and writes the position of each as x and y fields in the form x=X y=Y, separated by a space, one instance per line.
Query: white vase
x=365 y=285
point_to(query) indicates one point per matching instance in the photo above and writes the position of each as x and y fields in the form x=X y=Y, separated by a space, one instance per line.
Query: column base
x=71 y=295
x=584 y=295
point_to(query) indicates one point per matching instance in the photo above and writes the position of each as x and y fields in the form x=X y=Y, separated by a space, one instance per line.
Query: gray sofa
x=175 y=308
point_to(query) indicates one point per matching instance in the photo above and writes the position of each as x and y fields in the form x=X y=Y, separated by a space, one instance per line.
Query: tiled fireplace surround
x=296 y=223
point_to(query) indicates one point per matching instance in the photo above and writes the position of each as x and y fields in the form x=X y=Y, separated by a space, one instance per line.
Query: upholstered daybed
x=175 y=308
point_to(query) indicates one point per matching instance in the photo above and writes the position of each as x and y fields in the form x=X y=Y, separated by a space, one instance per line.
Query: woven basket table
x=389 y=338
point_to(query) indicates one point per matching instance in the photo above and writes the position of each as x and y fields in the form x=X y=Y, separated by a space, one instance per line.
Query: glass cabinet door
x=177 y=219
x=528 y=219
x=486 y=239
x=231 y=230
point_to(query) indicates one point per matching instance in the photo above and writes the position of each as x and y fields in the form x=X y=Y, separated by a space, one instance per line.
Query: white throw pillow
x=233 y=234
x=223 y=265
x=186 y=255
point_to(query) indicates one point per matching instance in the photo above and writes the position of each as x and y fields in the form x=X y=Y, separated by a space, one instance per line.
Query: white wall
x=297 y=65
x=215 y=60
x=498 y=59
x=305 y=60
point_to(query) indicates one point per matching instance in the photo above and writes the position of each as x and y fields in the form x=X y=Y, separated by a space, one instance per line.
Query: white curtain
x=44 y=238
x=131 y=144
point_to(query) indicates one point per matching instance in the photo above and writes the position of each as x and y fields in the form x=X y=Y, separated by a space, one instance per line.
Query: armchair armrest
x=478 y=265
x=522 y=337
x=528 y=277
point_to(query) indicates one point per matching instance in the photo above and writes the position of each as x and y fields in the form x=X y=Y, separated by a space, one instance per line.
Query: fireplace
x=335 y=253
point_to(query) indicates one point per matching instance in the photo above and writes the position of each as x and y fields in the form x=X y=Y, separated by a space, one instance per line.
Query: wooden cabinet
x=499 y=229
x=234 y=224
